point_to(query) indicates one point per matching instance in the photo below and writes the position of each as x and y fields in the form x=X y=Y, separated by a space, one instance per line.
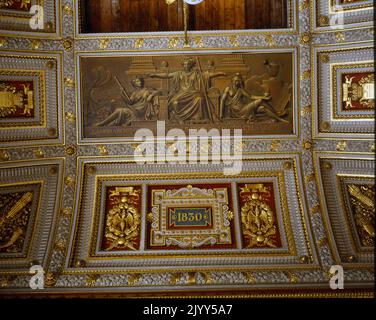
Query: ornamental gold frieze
x=123 y=221
x=31 y=109
x=259 y=223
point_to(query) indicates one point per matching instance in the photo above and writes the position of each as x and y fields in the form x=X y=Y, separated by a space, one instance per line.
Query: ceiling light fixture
x=186 y=16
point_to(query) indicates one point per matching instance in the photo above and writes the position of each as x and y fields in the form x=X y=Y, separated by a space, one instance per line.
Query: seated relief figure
x=237 y=103
x=141 y=105
x=188 y=100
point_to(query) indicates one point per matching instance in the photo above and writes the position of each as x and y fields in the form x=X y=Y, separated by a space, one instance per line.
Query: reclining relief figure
x=141 y=105
x=237 y=103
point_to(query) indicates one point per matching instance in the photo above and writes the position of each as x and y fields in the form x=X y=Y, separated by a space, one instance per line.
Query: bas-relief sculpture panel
x=249 y=91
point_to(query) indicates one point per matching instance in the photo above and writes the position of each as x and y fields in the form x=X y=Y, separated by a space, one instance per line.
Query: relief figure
x=141 y=105
x=223 y=91
x=237 y=103
x=188 y=100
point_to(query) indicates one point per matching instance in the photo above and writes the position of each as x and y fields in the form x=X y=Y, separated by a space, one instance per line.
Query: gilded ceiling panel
x=76 y=200
x=31 y=107
x=349 y=13
x=348 y=186
x=133 y=214
x=30 y=194
x=346 y=106
x=193 y=91
x=30 y=18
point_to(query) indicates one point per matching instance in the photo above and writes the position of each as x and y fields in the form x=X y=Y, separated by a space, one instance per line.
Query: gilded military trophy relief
x=16 y=99
x=122 y=219
x=22 y=98
x=251 y=91
x=198 y=216
x=258 y=215
x=358 y=91
x=15 y=211
x=362 y=204
x=17 y=5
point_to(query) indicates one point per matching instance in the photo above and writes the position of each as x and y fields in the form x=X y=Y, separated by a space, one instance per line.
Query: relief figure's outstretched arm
x=161 y=75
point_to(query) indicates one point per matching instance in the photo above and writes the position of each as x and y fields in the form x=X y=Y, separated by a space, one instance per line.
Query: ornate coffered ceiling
x=73 y=200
